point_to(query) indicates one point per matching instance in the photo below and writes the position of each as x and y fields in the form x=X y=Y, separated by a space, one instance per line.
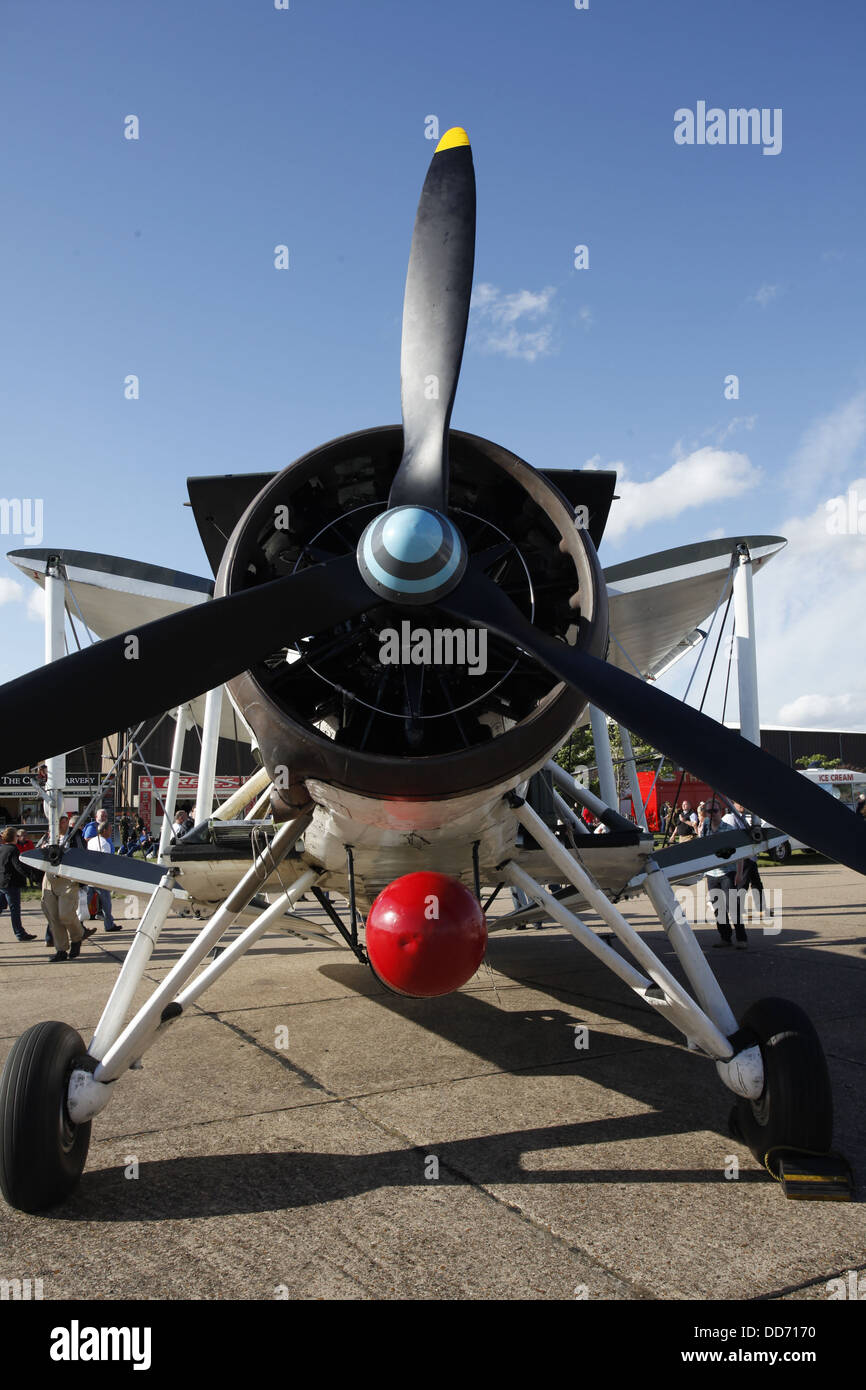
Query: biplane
x=401 y=776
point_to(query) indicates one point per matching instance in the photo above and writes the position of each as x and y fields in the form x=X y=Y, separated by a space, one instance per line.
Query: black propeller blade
x=116 y=683
x=435 y=314
x=720 y=756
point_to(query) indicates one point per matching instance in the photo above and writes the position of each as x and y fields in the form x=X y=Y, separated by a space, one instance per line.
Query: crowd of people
x=727 y=887
x=66 y=904
x=135 y=837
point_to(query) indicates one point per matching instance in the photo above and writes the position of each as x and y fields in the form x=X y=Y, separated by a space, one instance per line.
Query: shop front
x=21 y=804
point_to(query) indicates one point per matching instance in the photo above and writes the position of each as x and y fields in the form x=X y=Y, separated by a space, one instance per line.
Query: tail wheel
x=795 y=1108
x=42 y=1151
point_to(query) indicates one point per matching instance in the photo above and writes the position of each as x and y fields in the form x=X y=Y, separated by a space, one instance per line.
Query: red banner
x=151 y=792
x=692 y=790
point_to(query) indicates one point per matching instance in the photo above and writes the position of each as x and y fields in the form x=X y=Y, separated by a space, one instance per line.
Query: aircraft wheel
x=781 y=853
x=795 y=1108
x=42 y=1152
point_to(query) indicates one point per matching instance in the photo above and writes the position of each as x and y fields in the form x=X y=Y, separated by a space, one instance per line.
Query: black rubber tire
x=795 y=1108
x=781 y=853
x=42 y=1153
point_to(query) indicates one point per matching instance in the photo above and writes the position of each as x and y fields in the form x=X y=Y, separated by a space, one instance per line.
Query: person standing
x=59 y=899
x=723 y=885
x=62 y=830
x=12 y=880
x=23 y=844
x=739 y=819
x=86 y=891
x=101 y=844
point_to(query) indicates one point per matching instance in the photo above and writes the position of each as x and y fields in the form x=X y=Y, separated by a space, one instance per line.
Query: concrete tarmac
x=303 y=1134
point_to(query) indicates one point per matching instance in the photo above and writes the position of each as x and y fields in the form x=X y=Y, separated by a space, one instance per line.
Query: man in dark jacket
x=12 y=880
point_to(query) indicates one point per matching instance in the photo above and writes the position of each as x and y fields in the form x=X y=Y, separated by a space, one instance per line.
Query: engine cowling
x=340 y=708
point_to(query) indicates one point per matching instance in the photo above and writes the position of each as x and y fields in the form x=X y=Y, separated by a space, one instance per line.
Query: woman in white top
x=101 y=843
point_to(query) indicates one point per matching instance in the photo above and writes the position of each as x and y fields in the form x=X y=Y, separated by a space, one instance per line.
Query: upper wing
x=112 y=595
x=657 y=601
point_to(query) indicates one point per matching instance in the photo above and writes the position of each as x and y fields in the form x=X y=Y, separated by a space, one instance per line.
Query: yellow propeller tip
x=453 y=137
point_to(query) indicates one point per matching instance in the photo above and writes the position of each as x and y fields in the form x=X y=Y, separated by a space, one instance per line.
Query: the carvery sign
x=21 y=784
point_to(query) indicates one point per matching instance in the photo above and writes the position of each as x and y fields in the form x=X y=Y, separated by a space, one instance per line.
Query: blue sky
x=307 y=127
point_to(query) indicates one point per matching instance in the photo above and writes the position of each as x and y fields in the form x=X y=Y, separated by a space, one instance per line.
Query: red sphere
x=426 y=935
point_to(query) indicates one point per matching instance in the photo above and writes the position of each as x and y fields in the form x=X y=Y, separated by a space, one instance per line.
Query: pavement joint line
x=840 y=1057
x=326 y=999
x=306 y=1077
x=332 y=1099
x=351 y=1101
x=540 y=1227
x=217 y=1120
x=530 y=1068
x=776 y=1294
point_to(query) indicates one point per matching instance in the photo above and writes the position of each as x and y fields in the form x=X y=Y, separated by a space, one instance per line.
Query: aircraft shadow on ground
x=680 y=1096
x=237 y=1183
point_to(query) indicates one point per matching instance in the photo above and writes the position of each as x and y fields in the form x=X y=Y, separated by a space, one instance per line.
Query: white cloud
x=764 y=295
x=517 y=323
x=36 y=605
x=10 y=591
x=739 y=422
x=822 y=711
x=706 y=475
x=809 y=608
x=585 y=316
x=832 y=446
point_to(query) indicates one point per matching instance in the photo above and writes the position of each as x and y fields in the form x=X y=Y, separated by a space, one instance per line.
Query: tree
x=580 y=752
